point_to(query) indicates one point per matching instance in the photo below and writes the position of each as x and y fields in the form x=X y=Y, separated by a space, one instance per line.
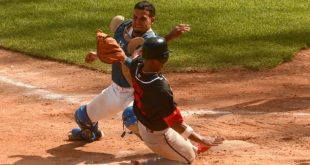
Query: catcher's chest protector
x=119 y=36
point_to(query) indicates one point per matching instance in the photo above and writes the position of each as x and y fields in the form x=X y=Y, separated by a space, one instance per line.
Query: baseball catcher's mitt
x=108 y=50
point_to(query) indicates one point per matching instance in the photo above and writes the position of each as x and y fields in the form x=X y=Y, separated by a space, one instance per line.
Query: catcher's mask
x=155 y=48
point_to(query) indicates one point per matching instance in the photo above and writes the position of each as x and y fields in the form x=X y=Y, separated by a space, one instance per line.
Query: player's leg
x=168 y=144
x=87 y=116
x=110 y=101
x=157 y=161
x=88 y=131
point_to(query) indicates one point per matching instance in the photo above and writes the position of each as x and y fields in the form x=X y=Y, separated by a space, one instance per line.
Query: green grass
x=225 y=34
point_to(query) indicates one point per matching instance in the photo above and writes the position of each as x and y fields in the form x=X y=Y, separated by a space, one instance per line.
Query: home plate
x=230 y=145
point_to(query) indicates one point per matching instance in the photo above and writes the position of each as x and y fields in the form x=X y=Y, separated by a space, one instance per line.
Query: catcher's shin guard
x=88 y=131
x=130 y=121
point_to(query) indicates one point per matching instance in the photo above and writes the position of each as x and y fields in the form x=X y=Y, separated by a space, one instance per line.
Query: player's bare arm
x=187 y=132
x=177 y=31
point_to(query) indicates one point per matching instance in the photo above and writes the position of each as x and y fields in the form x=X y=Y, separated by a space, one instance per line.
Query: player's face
x=142 y=21
x=159 y=64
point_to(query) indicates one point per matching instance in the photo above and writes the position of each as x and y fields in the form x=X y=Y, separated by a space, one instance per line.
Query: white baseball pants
x=109 y=102
x=174 y=149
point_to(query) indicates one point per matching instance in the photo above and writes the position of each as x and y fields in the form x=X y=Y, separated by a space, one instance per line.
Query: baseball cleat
x=202 y=148
x=76 y=134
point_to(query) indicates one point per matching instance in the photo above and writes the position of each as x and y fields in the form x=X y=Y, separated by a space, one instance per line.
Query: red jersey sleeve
x=174 y=117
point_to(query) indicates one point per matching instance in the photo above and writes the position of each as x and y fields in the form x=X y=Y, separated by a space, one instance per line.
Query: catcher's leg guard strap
x=82 y=118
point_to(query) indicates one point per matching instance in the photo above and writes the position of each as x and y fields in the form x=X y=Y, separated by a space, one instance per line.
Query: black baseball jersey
x=153 y=96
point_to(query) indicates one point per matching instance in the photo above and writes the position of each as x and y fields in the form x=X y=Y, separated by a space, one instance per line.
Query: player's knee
x=82 y=118
x=130 y=120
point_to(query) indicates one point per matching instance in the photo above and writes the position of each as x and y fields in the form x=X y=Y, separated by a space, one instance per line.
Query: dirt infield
x=265 y=116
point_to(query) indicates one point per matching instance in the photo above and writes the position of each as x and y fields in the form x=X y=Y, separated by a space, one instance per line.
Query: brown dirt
x=34 y=129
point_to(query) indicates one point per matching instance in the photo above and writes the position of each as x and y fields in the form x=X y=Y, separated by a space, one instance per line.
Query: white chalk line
x=38 y=91
x=46 y=94
x=201 y=112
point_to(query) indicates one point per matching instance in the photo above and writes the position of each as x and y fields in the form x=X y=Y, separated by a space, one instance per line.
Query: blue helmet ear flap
x=129 y=117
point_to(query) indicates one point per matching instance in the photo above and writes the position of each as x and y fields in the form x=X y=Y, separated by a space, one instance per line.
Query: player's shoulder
x=123 y=25
x=162 y=82
x=158 y=81
x=162 y=87
x=154 y=80
x=149 y=34
x=127 y=22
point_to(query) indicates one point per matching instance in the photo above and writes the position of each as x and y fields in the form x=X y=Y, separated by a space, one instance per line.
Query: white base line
x=201 y=112
x=46 y=94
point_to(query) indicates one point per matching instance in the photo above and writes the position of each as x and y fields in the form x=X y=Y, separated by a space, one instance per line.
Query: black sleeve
x=134 y=65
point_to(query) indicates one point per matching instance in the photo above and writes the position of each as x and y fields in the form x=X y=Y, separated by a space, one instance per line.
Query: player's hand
x=91 y=57
x=212 y=141
x=177 y=31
